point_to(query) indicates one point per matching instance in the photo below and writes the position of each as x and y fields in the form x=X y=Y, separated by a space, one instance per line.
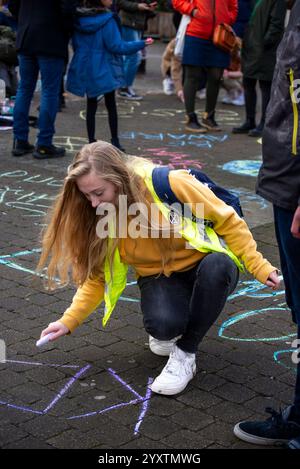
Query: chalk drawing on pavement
x=261 y=314
x=242 y=167
x=283 y=358
x=79 y=373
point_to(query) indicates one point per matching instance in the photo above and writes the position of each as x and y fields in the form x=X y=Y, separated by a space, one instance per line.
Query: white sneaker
x=239 y=101
x=168 y=86
x=177 y=373
x=227 y=99
x=201 y=94
x=161 y=347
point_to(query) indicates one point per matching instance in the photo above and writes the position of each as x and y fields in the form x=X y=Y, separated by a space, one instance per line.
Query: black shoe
x=208 y=121
x=276 y=430
x=21 y=148
x=43 y=153
x=257 y=131
x=244 y=128
x=193 y=124
x=116 y=143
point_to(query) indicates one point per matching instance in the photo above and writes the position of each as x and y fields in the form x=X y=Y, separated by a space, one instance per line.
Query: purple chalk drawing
x=82 y=370
x=174 y=159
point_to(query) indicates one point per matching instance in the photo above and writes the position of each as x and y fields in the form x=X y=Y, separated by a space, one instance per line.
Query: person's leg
x=265 y=88
x=289 y=251
x=192 y=78
x=91 y=109
x=214 y=77
x=165 y=304
x=51 y=69
x=110 y=103
x=285 y=425
x=250 y=106
x=214 y=280
x=132 y=61
x=29 y=70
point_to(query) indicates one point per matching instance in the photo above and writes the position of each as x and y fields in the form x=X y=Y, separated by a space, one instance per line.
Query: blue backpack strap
x=161 y=184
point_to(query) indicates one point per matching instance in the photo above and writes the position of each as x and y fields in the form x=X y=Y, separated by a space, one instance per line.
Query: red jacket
x=225 y=11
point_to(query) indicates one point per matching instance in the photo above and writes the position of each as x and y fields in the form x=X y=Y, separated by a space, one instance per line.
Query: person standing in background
x=261 y=39
x=279 y=183
x=42 y=44
x=133 y=14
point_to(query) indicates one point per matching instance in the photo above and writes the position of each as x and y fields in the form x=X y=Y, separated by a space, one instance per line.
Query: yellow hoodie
x=143 y=255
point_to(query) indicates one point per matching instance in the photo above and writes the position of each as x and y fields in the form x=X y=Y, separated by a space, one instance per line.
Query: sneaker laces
x=176 y=364
x=277 y=419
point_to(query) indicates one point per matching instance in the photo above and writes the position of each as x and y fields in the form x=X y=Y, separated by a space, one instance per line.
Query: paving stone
x=234 y=393
x=186 y=439
x=192 y=419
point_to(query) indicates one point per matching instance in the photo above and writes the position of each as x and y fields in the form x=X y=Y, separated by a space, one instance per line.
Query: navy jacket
x=97 y=64
x=43 y=26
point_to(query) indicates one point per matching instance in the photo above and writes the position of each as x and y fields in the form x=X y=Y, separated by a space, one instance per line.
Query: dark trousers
x=51 y=70
x=187 y=303
x=251 y=98
x=289 y=251
x=193 y=77
x=91 y=108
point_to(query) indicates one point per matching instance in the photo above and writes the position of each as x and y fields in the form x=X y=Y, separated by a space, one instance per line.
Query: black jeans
x=91 y=108
x=251 y=98
x=192 y=79
x=187 y=303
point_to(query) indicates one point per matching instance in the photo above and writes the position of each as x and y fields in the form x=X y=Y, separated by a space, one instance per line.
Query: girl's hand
x=149 y=41
x=57 y=328
x=273 y=280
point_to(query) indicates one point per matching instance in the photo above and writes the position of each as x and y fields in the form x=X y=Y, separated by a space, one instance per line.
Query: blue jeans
x=187 y=303
x=132 y=61
x=51 y=70
x=289 y=251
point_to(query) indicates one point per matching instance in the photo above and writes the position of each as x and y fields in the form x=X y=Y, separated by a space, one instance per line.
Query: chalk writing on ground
x=138 y=400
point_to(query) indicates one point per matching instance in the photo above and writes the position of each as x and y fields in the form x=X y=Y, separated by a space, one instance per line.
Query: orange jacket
x=203 y=26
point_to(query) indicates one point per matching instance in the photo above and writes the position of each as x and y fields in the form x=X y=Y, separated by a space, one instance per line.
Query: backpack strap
x=161 y=184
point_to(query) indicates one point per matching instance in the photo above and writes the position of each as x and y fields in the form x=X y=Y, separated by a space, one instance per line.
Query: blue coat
x=97 y=64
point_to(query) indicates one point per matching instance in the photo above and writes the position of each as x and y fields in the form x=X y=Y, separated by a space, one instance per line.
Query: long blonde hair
x=70 y=245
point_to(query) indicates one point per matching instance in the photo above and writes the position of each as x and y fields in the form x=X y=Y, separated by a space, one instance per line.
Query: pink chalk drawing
x=139 y=400
x=173 y=158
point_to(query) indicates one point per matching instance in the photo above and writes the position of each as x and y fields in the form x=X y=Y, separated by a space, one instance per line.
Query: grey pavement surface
x=89 y=390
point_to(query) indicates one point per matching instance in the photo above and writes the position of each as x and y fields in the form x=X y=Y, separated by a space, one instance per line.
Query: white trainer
x=168 y=86
x=162 y=347
x=177 y=373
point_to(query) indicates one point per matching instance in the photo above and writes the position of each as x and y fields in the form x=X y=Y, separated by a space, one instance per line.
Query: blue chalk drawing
x=242 y=167
x=278 y=360
x=240 y=317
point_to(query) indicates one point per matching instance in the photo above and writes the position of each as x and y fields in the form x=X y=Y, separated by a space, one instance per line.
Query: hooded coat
x=279 y=176
x=97 y=64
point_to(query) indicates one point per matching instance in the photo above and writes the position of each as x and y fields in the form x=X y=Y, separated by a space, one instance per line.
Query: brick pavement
x=88 y=390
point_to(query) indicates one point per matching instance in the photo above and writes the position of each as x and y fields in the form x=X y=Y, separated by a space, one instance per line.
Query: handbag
x=180 y=36
x=223 y=35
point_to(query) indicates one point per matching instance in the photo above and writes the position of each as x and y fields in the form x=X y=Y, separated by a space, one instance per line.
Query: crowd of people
x=183 y=290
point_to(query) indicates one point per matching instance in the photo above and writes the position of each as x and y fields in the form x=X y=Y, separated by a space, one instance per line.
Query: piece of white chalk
x=44 y=340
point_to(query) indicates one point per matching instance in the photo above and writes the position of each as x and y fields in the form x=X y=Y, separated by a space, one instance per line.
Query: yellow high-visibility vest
x=208 y=241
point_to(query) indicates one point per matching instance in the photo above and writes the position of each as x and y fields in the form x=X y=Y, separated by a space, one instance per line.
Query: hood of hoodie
x=90 y=20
